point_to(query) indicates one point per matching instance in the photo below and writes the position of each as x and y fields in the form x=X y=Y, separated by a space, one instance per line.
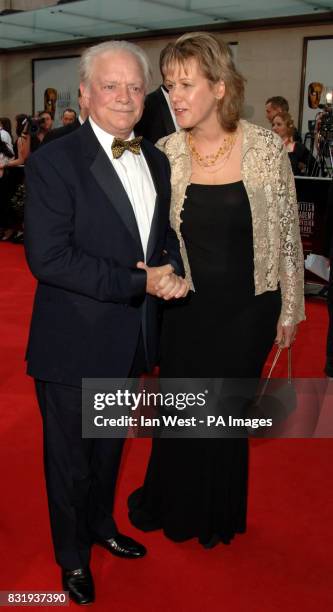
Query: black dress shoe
x=123 y=546
x=79 y=584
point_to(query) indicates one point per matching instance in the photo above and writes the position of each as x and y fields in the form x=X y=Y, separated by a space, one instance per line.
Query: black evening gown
x=198 y=487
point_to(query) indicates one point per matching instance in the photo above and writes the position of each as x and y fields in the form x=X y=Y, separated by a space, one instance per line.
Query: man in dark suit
x=97 y=234
x=158 y=119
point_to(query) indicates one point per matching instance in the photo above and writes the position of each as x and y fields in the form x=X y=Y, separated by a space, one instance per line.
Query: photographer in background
x=15 y=190
x=44 y=123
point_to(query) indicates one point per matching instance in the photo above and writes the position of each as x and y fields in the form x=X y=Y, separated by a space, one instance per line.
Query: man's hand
x=154 y=275
x=163 y=283
x=285 y=335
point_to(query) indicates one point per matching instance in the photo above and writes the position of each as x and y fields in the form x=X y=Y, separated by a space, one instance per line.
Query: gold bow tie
x=119 y=146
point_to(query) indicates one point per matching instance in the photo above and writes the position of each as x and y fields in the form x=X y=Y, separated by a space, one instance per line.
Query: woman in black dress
x=234 y=210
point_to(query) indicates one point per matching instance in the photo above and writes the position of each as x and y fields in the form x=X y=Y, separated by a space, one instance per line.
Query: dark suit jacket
x=82 y=244
x=156 y=120
x=64 y=130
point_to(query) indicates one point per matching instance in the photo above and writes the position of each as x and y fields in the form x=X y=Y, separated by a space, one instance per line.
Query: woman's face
x=194 y=99
x=279 y=127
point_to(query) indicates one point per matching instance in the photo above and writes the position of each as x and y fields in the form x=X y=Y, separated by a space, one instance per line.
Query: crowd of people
x=158 y=120
x=30 y=134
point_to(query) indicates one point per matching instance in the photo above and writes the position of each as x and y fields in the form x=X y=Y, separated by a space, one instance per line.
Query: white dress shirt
x=6 y=138
x=134 y=174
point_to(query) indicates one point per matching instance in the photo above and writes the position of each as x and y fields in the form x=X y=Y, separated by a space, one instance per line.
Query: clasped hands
x=162 y=282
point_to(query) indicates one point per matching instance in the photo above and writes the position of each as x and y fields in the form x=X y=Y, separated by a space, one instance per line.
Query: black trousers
x=81 y=474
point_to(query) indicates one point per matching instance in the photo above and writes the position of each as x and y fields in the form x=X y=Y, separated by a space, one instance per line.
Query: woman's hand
x=172 y=287
x=285 y=335
x=163 y=282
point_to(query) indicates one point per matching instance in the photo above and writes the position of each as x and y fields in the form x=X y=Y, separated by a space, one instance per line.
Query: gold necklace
x=210 y=160
x=212 y=170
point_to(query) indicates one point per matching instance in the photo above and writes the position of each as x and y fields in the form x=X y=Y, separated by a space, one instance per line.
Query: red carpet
x=283 y=563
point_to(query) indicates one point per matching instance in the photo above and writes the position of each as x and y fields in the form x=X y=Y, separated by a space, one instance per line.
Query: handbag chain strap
x=275 y=360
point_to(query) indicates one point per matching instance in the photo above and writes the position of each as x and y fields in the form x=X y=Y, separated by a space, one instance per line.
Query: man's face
x=271 y=111
x=68 y=117
x=116 y=92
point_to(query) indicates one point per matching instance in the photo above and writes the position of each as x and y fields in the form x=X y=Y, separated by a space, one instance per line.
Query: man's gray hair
x=113 y=46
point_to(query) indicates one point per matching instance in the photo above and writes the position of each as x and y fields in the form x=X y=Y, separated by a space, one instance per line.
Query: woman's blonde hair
x=288 y=120
x=216 y=63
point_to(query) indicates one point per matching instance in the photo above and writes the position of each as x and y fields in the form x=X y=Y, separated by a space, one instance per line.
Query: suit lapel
x=108 y=180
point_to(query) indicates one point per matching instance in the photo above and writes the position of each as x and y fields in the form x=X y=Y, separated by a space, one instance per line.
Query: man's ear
x=85 y=94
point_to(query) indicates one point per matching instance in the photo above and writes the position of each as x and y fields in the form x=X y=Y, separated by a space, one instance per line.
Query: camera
x=32 y=125
x=325 y=128
x=324 y=139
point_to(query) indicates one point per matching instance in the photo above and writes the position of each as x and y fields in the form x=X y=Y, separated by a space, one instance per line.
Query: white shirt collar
x=134 y=173
x=105 y=138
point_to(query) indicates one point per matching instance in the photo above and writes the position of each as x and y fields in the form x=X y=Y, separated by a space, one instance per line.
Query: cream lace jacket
x=269 y=182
